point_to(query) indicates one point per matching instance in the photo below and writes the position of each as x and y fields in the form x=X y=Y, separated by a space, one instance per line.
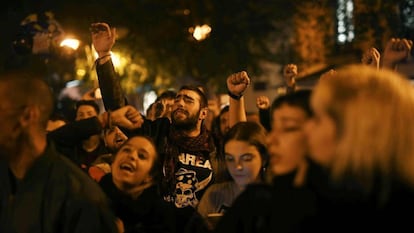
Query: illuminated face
x=186 y=110
x=286 y=142
x=243 y=162
x=321 y=131
x=84 y=112
x=133 y=162
x=114 y=138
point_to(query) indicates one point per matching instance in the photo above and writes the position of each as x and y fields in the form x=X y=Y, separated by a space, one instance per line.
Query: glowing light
x=344 y=16
x=149 y=98
x=71 y=43
x=201 y=32
x=80 y=72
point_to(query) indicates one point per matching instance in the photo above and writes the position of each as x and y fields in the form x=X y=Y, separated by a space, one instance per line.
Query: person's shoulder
x=78 y=182
x=257 y=191
x=217 y=187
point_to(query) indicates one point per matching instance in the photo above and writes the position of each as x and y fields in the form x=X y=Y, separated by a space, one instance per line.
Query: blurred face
x=85 y=111
x=287 y=141
x=224 y=123
x=186 y=110
x=114 y=138
x=133 y=162
x=243 y=162
x=10 y=127
x=321 y=131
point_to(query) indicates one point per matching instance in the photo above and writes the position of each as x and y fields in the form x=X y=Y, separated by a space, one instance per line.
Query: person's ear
x=203 y=113
x=29 y=116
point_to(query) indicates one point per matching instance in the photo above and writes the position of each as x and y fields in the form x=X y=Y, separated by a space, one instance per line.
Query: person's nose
x=132 y=155
x=273 y=138
x=239 y=165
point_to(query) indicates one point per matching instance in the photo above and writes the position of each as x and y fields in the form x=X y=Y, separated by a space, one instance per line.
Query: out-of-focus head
x=362 y=124
x=86 y=109
x=26 y=104
x=190 y=108
x=245 y=153
x=286 y=141
x=224 y=120
x=136 y=164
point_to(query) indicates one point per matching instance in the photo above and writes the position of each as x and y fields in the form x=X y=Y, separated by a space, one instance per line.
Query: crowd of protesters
x=335 y=158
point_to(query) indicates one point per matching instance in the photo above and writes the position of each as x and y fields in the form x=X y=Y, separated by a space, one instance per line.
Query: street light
x=200 y=32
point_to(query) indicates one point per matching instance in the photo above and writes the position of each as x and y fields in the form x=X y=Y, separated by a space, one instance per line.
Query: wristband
x=100 y=58
x=233 y=96
x=96 y=63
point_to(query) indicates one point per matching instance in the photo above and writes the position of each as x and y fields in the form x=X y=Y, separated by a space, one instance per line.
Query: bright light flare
x=201 y=32
x=71 y=43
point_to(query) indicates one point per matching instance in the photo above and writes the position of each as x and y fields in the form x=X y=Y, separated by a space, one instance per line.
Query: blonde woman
x=362 y=135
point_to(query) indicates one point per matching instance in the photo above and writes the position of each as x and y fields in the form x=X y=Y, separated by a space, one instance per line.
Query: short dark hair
x=168 y=94
x=299 y=98
x=87 y=102
x=203 y=98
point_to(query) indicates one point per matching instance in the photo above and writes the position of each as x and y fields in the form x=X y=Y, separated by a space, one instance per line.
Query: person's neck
x=134 y=192
x=193 y=133
x=300 y=177
x=26 y=155
x=91 y=143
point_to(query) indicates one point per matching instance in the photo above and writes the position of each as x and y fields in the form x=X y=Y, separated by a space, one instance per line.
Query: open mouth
x=119 y=141
x=127 y=167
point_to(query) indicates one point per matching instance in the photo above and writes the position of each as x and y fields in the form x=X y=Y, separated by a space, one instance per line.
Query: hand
x=328 y=74
x=237 y=83
x=103 y=38
x=127 y=117
x=396 y=50
x=262 y=102
x=371 y=57
x=290 y=71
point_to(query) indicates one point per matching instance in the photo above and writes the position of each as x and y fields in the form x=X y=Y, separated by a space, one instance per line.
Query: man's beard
x=187 y=124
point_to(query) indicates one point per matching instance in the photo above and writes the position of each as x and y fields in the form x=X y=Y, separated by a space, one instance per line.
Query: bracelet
x=106 y=55
x=233 y=96
x=96 y=63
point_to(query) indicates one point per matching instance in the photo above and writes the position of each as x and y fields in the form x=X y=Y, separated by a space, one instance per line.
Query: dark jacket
x=147 y=214
x=68 y=140
x=262 y=208
x=54 y=197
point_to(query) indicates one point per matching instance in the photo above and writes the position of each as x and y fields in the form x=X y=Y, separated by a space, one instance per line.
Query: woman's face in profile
x=286 y=142
x=133 y=162
x=321 y=130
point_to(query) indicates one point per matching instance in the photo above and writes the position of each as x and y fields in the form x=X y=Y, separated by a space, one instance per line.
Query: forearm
x=112 y=94
x=264 y=116
x=74 y=132
x=237 y=111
